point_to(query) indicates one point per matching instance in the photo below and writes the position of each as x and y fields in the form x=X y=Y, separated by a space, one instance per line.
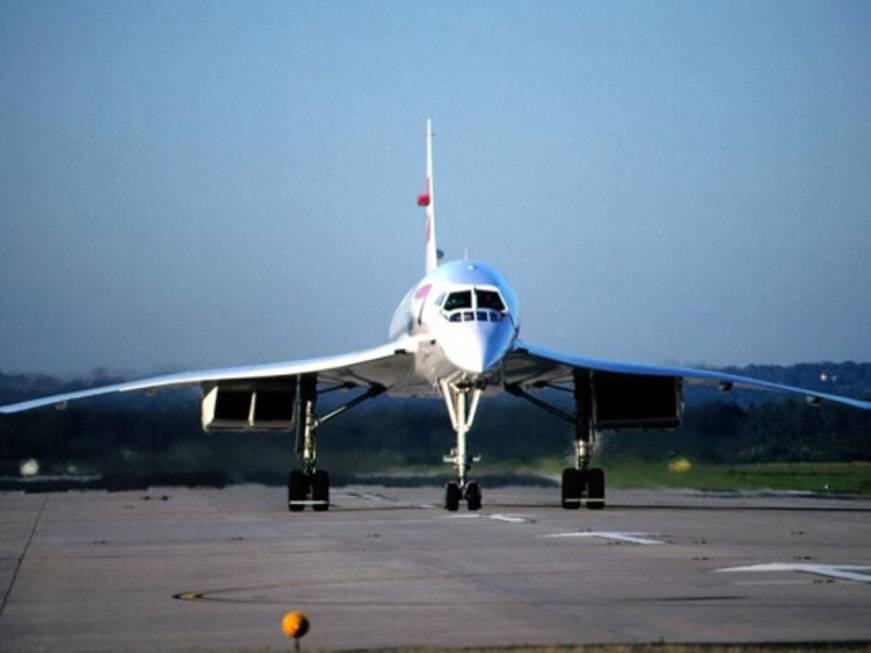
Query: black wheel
x=473 y=496
x=572 y=487
x=297 y=487
x=596 y=489
x=321 y=491
x=452 y=497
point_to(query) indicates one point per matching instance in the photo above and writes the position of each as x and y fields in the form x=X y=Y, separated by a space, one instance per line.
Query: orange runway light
x=295 y=624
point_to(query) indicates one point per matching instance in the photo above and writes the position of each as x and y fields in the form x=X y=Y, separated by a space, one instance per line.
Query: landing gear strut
x=461 y=400
x=310 y=486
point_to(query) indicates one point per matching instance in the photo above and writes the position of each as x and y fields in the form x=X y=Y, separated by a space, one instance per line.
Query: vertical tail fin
x=427 y=201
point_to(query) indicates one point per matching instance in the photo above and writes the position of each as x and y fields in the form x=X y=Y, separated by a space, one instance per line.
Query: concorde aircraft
x=455 y=336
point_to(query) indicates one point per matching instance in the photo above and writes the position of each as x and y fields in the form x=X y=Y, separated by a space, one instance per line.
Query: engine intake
x=249 y=406
x=629 y=401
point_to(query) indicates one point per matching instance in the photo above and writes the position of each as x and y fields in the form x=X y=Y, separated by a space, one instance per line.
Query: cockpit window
x=489 y=299
x=461 y=299
x=461 y=306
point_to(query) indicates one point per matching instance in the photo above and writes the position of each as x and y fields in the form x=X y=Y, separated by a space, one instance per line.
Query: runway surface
x=181 y=569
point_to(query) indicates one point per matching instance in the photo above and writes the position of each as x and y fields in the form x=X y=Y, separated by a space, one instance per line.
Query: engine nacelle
x=629 y=401
x=249 y=406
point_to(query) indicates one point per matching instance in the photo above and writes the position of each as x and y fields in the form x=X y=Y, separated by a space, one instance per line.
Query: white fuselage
x=469 y=313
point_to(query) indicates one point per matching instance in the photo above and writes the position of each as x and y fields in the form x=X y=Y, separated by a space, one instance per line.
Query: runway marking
x=380 y=498
x=634 y=538
x=511 y=519
x=766 y=583
x=370 y=497
x=843 y=572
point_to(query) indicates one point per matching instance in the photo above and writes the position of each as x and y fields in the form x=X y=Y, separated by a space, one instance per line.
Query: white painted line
x=634 y=538
x=383 y=499
x=767 y=583
x=844 y=572
x=374 y=497
x=512 y=519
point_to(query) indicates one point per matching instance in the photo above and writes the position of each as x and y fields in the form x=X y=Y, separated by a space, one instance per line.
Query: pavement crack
x=21 y=558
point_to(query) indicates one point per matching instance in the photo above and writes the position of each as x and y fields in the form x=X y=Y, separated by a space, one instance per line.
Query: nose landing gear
x=462 y=411
x=454 y=494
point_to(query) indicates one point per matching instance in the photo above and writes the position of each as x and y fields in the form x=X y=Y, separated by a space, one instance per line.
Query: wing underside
x=530 y=365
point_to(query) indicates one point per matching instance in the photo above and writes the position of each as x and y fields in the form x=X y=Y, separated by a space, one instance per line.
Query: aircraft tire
x=572 y=485
x=473 y=496
x=321 y=490
x=452 y=497
x=596 y=489
x=297 y=486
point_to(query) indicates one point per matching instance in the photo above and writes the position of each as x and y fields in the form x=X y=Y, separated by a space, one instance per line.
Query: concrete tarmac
x=181 y=569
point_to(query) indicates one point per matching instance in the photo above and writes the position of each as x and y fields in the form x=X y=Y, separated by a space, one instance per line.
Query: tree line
x=137 y=439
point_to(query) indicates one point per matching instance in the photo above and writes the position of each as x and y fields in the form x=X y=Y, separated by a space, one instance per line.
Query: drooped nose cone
x=478 y=348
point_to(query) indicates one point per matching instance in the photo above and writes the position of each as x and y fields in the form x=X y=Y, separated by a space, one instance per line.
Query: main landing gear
x=581 y=484
x=461 y=399
x=308 y=489
x=310 y=486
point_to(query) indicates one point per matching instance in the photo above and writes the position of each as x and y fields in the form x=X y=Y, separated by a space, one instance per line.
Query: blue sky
x=198 y=184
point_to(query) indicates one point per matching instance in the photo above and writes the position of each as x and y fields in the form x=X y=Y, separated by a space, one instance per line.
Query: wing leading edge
x=387 y=366
x=529 y=364
x=390 y=365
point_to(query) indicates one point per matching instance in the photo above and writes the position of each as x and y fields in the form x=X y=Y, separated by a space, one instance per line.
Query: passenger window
x=495 y=317
x=461 y=299
x=469 y=316
x=489 y=299
x=482 y=316
x=456 y=317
